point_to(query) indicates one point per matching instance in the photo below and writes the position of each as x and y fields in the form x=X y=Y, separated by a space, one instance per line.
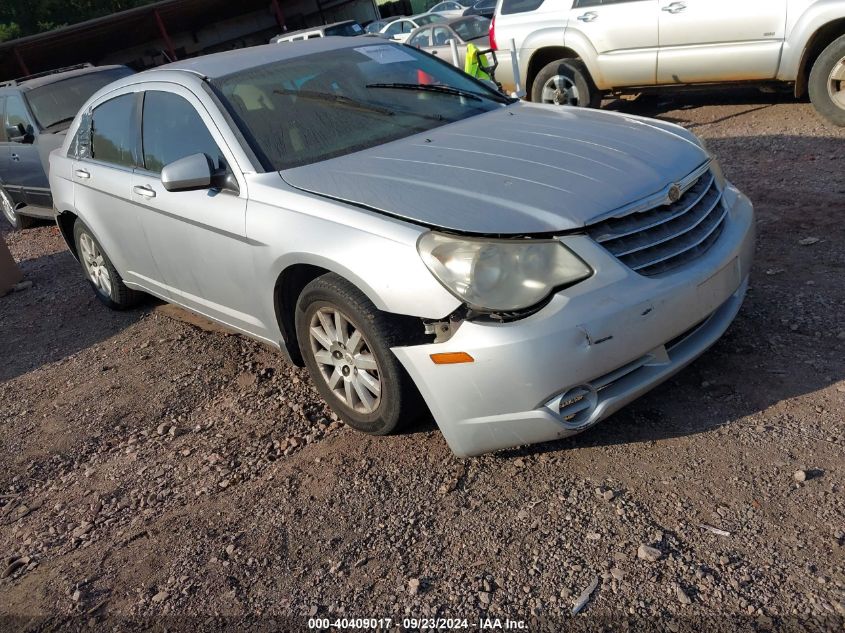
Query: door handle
x=589 y=16
x=15 y=157
x=143 y=190
x=675 y=7
x=81 y=173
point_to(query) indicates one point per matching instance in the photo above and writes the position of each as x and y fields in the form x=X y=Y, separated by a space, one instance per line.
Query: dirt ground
x=155 y=472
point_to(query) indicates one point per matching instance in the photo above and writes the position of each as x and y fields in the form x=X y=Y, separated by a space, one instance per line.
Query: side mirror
x=187 y=174
x=20 y=134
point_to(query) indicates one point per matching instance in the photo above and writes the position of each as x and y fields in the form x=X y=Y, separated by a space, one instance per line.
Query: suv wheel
x=101 y=274
x=827 y=82
x=565 y=82
x=7 y=205
x=345 y=342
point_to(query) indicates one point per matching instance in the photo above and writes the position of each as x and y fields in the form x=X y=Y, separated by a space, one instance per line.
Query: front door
x=197 y=238
x=720 y=40
x=623 y=34
x=24 y=175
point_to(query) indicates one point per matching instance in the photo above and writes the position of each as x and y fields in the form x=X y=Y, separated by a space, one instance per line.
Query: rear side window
x=113 y=134
x=520 y=6
x=172 y=129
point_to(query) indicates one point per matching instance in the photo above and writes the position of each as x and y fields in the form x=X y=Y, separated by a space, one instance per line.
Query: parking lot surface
x=151 y=465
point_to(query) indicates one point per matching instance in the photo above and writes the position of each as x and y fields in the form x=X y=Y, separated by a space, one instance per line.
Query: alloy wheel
x=95 y=265
x=836 y=84
x=561 y=90
x=345 y=359
x=8 y=208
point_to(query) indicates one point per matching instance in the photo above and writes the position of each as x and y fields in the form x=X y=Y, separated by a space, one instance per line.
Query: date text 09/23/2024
x=447 y=624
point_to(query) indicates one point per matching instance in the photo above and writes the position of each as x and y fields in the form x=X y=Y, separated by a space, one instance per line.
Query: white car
x=399 y=30
x=449 y=8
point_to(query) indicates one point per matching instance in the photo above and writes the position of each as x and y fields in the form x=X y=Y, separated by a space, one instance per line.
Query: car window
x=16 y=114
x=2 y=120
x=520 y=6
x=394 y=29
x=113 y=134
x=59 y=101
x=428 y=19
x=472 y=28
x=421 y=39
x=408 y=26
x=172 y=129
x=333 y=103
x=486 y=4
x=442 y=35
x=345 y=30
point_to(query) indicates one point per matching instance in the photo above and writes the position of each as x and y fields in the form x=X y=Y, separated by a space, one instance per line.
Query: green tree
x=27 y=17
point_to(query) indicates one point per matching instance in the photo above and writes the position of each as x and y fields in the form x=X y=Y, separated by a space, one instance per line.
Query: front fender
x=800 y=29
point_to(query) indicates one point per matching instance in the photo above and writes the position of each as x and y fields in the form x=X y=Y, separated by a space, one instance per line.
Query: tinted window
x=442 y=35
x=113 y=133
x=428 y=19
x=345 y=30
x=59 y=102
x=173 y=129
x=2 y=120
x=520 y=6
x=394 y=29
x=472 y=28
x=16 y=114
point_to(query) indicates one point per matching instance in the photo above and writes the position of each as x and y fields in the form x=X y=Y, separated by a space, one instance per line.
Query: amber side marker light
x=452 y=358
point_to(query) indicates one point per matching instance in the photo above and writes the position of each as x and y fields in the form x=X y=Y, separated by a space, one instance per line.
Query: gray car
x=418 y=241
x=35 y=112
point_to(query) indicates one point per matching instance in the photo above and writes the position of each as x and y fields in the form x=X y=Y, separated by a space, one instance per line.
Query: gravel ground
x=154 y=469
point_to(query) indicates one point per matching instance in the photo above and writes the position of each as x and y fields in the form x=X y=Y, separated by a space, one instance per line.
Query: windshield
x=345 y=30
x=471 y=28
x=59 y=102
x=329 y=104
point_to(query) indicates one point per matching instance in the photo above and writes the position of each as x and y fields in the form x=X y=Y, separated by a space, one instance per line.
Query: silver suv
x=413 y=237
x=571 y=52
x=35 y=112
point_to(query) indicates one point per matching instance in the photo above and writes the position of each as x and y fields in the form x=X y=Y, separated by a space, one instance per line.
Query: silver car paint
x=475 y=176
x=501 y=399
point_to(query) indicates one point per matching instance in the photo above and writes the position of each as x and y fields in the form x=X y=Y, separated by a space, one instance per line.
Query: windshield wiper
x=340 y=99
x=446 y=90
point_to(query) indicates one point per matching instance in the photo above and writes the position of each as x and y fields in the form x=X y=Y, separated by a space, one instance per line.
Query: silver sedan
x=421 y=243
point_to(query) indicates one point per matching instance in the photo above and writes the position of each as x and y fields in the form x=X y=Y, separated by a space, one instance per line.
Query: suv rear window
x=520 y=6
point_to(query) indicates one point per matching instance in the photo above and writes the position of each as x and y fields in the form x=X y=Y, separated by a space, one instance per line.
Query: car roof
x=44 y=80
x=228 y=62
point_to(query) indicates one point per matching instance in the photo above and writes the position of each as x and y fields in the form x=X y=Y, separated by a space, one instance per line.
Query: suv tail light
x=493 y=45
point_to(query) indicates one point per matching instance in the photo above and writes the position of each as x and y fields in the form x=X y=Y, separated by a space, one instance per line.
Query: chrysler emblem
x=674 y=193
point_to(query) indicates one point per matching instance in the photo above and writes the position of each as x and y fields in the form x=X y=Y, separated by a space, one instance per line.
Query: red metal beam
x=164 y=35
x=280 y=17
x=21 y=63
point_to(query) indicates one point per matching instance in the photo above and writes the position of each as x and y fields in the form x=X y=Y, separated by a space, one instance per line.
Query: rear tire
x=566 y=82
x=101 y=274
x=7 y=206
x=352 y=365
x=827 y=83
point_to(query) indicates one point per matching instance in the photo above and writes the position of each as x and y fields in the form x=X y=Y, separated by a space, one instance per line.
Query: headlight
x=715 y=167
x=501 y=275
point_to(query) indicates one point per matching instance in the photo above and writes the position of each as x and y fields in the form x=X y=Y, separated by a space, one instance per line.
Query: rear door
x=102 y=177
x=720 y=40
x=197 y=238
x=623 y=36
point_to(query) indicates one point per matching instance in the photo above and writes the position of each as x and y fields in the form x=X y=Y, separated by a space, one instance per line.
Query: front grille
x=662 y=238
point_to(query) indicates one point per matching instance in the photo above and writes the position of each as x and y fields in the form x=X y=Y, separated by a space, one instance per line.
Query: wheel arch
x=820 y=40
x=541 y=58
x=65 y=220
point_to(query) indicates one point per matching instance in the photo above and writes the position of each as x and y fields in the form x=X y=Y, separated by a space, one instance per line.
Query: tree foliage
x=27 y=17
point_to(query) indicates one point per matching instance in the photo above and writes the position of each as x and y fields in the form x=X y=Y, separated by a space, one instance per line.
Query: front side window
x=17 y=117
x=442 y=35
x=421 y=39
x=394 y=29
x=114 y=137
x=172 y=129
x=314 y=107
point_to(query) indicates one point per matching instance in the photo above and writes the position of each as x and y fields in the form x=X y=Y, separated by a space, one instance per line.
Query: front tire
x=565 y=82
x=345 y=342
x=827 y=83
x=101 y=274
x=7 y=206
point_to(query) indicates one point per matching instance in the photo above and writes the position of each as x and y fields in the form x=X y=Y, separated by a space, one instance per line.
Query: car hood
x=518 y=170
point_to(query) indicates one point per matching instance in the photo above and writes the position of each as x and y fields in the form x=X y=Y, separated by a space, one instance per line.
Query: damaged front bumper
x=596 y=347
